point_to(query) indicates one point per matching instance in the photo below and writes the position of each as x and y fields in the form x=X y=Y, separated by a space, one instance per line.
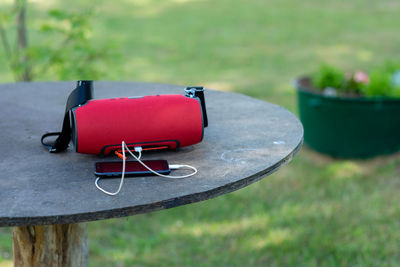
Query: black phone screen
x=132 y=168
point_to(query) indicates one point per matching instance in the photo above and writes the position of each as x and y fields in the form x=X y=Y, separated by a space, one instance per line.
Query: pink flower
x=361 y=77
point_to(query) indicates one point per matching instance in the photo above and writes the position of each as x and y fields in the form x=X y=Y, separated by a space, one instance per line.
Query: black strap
x=80 y=95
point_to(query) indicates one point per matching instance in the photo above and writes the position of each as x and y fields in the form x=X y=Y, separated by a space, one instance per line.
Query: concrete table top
x=246 y=140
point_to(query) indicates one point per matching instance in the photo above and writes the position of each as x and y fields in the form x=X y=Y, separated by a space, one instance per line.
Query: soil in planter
x=305 y=84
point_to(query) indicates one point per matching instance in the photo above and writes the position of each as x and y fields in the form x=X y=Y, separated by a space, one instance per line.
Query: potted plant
x=351 y=115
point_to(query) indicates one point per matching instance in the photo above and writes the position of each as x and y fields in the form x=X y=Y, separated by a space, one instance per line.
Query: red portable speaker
x=152 y=122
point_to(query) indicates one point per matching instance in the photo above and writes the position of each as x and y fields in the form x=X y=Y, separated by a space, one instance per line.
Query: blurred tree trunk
x=50 y=245
x=22 y=41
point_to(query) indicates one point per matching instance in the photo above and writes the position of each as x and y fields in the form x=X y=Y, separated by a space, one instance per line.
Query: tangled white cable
x=139 y=150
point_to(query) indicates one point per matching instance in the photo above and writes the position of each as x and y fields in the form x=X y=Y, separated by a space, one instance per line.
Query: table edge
x=165 y=204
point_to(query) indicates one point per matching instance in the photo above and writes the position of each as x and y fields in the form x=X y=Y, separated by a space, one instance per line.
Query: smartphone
x=110 y=169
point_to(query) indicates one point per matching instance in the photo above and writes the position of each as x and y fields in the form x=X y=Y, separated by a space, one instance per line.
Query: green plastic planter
x=348 y=127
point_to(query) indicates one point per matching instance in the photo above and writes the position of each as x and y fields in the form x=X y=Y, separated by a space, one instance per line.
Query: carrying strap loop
x=80 y=95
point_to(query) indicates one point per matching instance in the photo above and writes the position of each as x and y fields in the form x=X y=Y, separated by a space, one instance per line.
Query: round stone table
x=48 y=198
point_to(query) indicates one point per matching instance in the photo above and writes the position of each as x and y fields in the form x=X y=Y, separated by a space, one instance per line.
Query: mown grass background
x=316 y=211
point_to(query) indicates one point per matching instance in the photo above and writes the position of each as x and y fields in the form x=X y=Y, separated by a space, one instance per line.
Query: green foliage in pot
x=328 y=76
x=384 y=82
x=381 y=82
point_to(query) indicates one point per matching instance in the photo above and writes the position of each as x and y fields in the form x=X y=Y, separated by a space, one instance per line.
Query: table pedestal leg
x=50 y=245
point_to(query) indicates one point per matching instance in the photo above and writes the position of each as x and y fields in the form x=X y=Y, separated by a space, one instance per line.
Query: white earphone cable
x=124 y=146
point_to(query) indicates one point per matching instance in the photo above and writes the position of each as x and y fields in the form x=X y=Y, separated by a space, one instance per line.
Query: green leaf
x=58 y=14
x=379 y=84
x=328 y=76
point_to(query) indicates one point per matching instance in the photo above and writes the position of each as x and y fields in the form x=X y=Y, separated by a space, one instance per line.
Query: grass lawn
x=316 y=211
